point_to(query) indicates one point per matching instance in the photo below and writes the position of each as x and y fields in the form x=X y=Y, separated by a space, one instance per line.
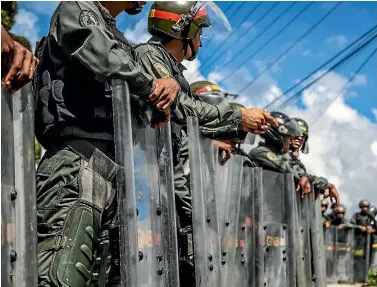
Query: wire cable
x=344 y=88
x=323 y=65
x=291 y=47
x=294 y=18
x=336 y=65
x=247 y=31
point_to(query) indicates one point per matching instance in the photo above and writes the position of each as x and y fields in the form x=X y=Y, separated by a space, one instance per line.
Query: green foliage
x=9 y=10
x=372 y=277
x=38 y=151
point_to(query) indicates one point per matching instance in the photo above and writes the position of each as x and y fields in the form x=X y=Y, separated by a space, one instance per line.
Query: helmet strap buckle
x=182 y=23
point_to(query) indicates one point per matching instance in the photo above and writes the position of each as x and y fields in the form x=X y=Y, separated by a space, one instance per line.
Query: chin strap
x=187 y=43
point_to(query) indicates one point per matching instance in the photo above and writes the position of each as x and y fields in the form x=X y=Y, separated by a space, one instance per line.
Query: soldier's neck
x=175 y=47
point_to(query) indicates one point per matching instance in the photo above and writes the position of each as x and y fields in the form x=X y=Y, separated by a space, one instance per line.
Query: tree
x=8 y=12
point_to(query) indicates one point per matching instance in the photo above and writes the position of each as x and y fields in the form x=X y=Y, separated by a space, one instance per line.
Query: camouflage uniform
x=76 y=195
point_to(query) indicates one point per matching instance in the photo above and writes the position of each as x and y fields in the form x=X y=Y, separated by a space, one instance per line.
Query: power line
x=322 y=66
x=336 y=65
x=294 y=18
x=345 y=87
x=247 y=31
x=290 y=47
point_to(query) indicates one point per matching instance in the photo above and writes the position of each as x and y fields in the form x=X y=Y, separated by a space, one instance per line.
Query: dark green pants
x=76 y=209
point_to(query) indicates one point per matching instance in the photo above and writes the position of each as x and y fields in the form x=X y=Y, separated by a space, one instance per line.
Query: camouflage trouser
x=76 y=209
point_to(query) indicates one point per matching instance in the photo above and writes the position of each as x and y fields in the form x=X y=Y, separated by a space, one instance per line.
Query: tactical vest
x=69 y=101
x=362 y=219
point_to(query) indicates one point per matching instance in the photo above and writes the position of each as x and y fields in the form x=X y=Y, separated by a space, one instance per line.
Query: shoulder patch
x=271 y=156
x=88 y=18
x=162 y=70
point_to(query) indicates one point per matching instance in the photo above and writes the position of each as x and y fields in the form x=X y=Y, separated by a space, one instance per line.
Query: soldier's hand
x=226 y=147
x=363 y=228
x=22 y=69
x=7 y=47
x=159 y=118
x=164 y=93
x=327 y=224
x=257 y=121
x=304 y=185
x=333 y=193
x=370 y=229
x=340 y=226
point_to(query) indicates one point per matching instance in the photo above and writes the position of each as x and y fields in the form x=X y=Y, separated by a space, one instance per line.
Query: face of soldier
x=287 y=143
x=297 y=142
x=364 y=209
x=323 y=208
x=197 y=42
x=340 y=215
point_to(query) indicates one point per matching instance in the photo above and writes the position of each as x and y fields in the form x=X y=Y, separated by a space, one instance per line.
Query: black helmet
x=305 y=130
x=364 y=203
x=340 y=209
x=287 y=127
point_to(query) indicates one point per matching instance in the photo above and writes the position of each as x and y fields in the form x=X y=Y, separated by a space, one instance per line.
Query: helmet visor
x=214 y=98
x=216 y=23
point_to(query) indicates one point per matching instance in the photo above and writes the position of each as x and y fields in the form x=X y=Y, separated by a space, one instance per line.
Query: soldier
x=269 y=154
x=339 y=219
x=331 y=215
x=361 y=219
x=326 y=221
x=176 y=30
x=74 y=123
x=320 y=184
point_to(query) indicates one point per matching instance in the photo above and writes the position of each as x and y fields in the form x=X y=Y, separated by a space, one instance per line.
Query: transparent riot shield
x=329 y=238
x=340 y=255
x=18 y=204
x=204 y=207
x=361 y=257
x=279 y=232
x=303 y=252
x=249 y=228
x=8 y=192
x=228 y=190
x=317 y=242
x=148 y=238
x=373 y=259
x=344 y=255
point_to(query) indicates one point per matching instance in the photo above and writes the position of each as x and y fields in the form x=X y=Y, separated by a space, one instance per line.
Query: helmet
x=340 y=209
x=363 y=203
x=324 y=202
x=305 y=130
x=136 y=9
x=209 y=92
x=287 y=127
x=182 y=20
x=373 y=210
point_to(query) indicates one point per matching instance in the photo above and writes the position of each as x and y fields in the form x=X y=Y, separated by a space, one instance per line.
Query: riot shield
x=361 y=256
x=228 y=190
x=148 y=238
x=8 y=191
x=204 y=207
x=317 y=242
x=19 y=253
x=303 y=252
x=340 y=248
x=277 y=267
x=249 y=228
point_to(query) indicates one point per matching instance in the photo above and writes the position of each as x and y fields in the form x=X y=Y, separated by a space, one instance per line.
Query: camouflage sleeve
x=218 y=122
x=319 y=183
x=269 y=160
x=79 y=29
